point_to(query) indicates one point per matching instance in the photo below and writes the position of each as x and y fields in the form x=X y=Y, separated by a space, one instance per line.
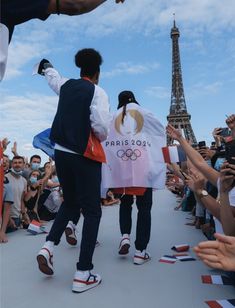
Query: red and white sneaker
x=85 y=280
x=70 y=234
x=141 y=257
x=124 y=246
x=45 y=261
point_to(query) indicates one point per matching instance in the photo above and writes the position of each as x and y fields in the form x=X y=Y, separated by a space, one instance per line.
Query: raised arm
x=198 y=161
x=227 y=212
x=74 y=7
x=54 y=79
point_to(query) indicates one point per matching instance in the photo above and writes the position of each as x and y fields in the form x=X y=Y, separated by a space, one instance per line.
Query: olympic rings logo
x=129 y=154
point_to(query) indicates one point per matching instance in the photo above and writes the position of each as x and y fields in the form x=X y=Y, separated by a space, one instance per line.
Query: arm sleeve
x=55 y=81
x=100 y=115
x=4 y=34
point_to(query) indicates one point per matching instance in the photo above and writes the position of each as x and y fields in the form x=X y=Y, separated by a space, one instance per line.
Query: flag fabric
x=168 y=259
x=133 y=150
x=42 y=141
x=174 y=154
x=224 y=303
x=176 y=257
x=36 y=227
x=216 y=279
x=181 y=247
x=185 y=258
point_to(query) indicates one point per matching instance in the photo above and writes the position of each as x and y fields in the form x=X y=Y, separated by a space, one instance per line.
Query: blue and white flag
x=42 y=141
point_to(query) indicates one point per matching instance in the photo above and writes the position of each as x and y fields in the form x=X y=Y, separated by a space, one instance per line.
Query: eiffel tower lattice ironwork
x=178 y=117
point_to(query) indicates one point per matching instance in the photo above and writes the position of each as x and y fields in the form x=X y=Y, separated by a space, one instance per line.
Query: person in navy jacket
x=80 y=125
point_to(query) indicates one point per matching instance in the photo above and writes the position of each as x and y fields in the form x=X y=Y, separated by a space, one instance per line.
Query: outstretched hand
x=195 y=181
x=172 y=132
x=219 y=254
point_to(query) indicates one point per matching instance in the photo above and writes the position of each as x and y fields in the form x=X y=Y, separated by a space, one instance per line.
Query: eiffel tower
x=178 y=117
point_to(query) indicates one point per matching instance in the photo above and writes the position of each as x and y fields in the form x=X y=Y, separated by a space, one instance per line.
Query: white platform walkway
x=124 y=285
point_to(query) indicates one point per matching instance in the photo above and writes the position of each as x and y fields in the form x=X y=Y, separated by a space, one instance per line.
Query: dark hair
x=89 y=61
x=18 y=157
x=35 y=156
x=39 y=176
x=124 y=98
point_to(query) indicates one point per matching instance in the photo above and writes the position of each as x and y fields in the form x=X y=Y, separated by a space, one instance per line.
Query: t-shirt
x=19 y=187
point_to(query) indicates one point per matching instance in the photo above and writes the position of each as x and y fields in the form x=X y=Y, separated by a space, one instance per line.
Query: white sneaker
x=124 y=246
x=70 y=235
x=84 y=281
x=141 y=257
x=45 y=261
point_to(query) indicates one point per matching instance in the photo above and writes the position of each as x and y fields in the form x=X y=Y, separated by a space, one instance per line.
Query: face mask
x=33 y=180
x=35 y=166
x=16 y=172
x=55 y=179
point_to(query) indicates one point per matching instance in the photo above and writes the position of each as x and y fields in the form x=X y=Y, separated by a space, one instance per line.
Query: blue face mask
x=219 y=163
x=55 y=179
x=35 y=166
x=16 y=172
x=33 y=180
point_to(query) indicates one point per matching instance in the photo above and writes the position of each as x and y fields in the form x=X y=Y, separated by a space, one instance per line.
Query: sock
x=49 y=245
x=82 y=274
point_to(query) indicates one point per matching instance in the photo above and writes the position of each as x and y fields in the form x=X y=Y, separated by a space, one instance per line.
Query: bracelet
x=58 y=7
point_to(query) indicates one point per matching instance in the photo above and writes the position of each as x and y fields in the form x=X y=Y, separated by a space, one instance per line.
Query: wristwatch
x=203 y=193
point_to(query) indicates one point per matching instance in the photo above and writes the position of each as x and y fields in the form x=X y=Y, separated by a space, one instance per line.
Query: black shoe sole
x=70 y=240
x=124 y=250
x=43 y=266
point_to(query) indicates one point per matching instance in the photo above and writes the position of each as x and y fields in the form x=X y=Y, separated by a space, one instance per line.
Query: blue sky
x=134 y=40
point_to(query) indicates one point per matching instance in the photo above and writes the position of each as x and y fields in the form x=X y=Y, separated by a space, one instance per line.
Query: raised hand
x=219 y=254
x=14 y=149
x=44 y=64
x=195 y=181
x=173 y=132
x=230 y=121
x=227 y=177
x=5 y=143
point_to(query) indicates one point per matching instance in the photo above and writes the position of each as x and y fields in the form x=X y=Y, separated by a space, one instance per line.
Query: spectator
x=19 y=187
x=8 y=200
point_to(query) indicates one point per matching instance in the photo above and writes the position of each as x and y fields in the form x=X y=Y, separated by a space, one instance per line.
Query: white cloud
x=146 y=17
x=23 y=116
x=210 y=88
x=129 y=68
x=158 y=92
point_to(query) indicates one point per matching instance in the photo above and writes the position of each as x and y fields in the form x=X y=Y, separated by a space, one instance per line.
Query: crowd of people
x=205 y=185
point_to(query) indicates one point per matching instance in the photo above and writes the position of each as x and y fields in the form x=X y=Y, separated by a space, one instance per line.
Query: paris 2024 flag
x=134 y=150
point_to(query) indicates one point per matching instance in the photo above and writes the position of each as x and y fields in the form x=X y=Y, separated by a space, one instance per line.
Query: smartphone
x=225 y=132
x=202 y=144
x=230 y=152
